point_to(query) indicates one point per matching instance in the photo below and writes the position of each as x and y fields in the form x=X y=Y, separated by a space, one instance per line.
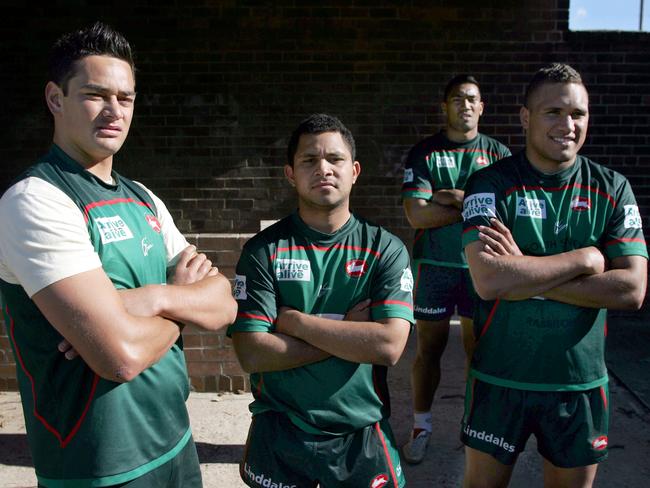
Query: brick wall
x=221 y=85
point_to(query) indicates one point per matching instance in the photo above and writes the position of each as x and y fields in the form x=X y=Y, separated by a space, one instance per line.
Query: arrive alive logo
x=293 y=269
x=113 y=229
x=479 y=205
x=239 y=291
x=531 y=207
x=632 y=217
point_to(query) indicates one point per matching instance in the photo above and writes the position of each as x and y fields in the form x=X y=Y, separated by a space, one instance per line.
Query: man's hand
x=192 y=267
x=68 y=351
x=498 y=240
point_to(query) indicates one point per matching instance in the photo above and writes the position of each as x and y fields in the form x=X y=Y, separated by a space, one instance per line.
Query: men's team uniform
x=441 y=276
x=59 y=220
x=290 y=264
x=543 y=350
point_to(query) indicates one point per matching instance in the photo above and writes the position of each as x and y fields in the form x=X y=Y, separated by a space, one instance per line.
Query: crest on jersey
x=406 y=281
x=379 y=481
x=356 y=268
x=600 y=443
x=482 y=161
x=153 y=222
x=580 y=204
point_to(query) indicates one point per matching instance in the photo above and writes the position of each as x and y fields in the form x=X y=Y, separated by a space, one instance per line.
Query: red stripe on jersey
x=418 y=235
x=489 y=319
x=314 y=247
x=245 y=315
x=465 y=231
x=391 y=302
x=625 y=239
x=115 y=201
x=484 y=151
x=605 y=328
x=63 y=442
x=603 y=396
x=564 y=188
x=389 y=461
x=421 y=190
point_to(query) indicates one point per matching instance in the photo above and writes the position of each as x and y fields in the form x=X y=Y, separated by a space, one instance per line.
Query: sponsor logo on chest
x=443 y=161
x=293 y=269
x=531 y=207
x=632 y=217
x=479 y=205
x=406 y=281
x=580 y=203
x=113 y=229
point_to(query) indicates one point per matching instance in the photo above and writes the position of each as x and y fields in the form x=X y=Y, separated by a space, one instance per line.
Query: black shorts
x=440 y=289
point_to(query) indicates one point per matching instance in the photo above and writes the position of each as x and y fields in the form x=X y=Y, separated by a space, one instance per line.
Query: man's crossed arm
x=579 y=277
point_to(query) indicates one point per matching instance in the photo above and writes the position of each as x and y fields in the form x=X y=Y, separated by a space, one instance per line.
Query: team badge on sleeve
x=406 y=281
x=479 y=205
x=632 y=217
x=408 y=175
x=240 y=288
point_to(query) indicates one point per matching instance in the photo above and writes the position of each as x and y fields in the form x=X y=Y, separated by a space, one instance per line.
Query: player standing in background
x=436 y=171
x=324 y=307
x=552 y=240
x=84 y=255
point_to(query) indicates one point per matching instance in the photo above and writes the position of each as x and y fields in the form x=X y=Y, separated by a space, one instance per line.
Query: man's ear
x=524 y=116
x=53 y=97
x=356 y=171
x=443 y=108
x=288 y=174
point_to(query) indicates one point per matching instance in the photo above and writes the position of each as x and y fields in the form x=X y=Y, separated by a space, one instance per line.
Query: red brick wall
x=222 y=84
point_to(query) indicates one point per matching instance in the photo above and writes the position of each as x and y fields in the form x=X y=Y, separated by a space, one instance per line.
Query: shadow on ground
x=14 y=450
x=220 y=453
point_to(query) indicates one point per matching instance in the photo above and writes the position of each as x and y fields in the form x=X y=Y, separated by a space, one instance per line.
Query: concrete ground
x=220 y=423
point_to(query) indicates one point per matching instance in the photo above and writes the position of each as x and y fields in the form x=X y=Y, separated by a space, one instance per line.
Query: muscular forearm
x=260 y=352
x=425 y=214
x=361 y=342
x=521 y=277
x=622 y=289
x=207 y=303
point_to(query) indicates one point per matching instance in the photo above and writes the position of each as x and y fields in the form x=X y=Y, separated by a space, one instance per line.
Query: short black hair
x=459 y=80
x=552 y=73
x=97 y=39
x=317 y=124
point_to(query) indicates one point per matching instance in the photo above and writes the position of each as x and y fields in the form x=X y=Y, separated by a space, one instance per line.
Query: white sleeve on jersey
x=43 y=236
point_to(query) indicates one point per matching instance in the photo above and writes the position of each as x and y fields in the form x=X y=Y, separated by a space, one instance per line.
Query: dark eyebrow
x=103 y=89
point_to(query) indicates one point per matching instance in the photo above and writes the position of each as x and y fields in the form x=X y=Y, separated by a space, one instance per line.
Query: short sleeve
x=624 y=232
x=391 y=291
x=483 y=201
x=417 y=175
x=175 y=242
x=255 y=294
x=44 y=236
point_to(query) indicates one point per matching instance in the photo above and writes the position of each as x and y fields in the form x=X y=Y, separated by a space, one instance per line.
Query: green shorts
x=440 y=290
x=182 y=471
x=281 y=455
x=570 y=426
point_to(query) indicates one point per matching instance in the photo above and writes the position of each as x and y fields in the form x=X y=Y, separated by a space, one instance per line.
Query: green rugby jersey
x=84 y=430
x=436 y=163
x=291 y=264
x=538 y=344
